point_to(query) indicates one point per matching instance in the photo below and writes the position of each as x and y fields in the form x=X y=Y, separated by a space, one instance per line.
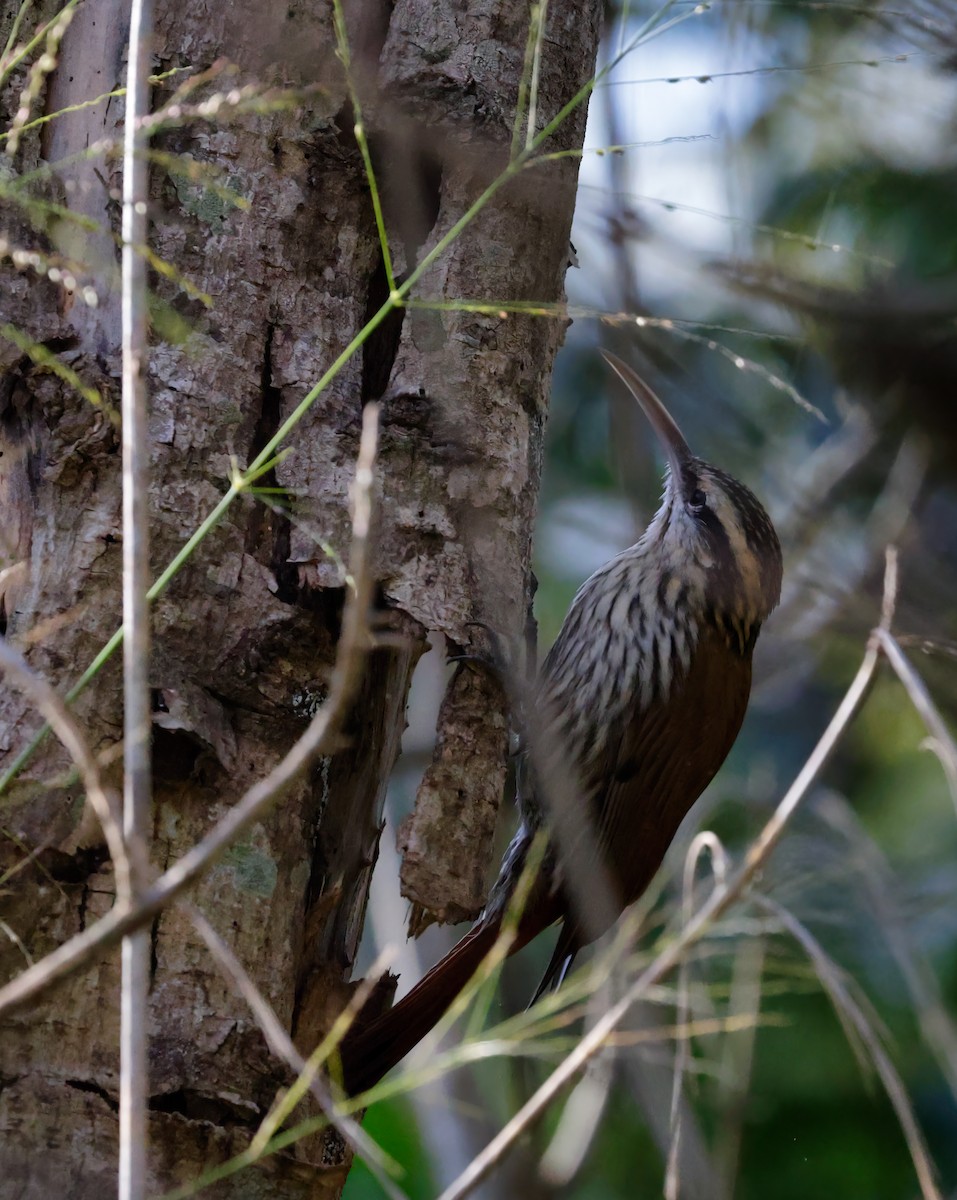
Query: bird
x=636 y=706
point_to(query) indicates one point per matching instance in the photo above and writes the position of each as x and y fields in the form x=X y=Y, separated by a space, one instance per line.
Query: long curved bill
x=662 y=422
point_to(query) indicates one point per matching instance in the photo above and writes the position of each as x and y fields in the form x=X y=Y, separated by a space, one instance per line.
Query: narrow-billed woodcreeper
x=642 y=694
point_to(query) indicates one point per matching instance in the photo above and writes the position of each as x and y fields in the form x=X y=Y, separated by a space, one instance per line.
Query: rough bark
x=245 y=636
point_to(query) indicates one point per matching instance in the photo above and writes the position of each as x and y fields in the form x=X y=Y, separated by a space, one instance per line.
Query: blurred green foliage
x=393 y=1127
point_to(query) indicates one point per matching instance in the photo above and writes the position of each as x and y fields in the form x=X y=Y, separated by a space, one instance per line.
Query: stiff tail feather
x=368 y=1052
x=560 y=963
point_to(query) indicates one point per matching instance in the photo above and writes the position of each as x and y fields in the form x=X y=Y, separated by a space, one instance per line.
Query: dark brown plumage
x=637 y=704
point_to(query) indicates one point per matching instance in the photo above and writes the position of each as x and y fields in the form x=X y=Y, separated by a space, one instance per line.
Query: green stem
x=523 y=83
x=342 y=42
x=6 y=67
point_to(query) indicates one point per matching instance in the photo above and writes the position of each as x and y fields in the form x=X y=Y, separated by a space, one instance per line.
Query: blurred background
x=774 y=247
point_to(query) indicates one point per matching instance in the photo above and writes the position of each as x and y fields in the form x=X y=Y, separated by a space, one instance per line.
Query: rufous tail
x=368 y=1052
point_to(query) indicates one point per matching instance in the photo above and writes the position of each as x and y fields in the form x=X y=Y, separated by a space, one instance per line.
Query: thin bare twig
x=941 y=741
x=137 y=728
x=281 y=1044
x=17 y=941
x=720 y=900
x=734 y=1074
x=579 y=1124
x=937 y=1028
x=55 y=712
x=850 y=1011
x=320 y=738
x=706 y=840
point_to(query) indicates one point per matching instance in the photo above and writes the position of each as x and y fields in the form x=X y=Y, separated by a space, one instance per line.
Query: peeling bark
x=438 y=846
x=245 y=636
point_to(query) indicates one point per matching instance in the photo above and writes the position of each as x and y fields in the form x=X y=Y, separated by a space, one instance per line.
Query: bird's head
x=711 y=534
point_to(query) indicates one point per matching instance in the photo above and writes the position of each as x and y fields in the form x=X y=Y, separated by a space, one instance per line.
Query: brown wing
x=661 y=760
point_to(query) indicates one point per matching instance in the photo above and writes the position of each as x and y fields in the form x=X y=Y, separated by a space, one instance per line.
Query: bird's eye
x=697 y=501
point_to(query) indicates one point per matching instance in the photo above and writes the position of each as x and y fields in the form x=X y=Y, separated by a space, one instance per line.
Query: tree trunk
x=245 y=635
